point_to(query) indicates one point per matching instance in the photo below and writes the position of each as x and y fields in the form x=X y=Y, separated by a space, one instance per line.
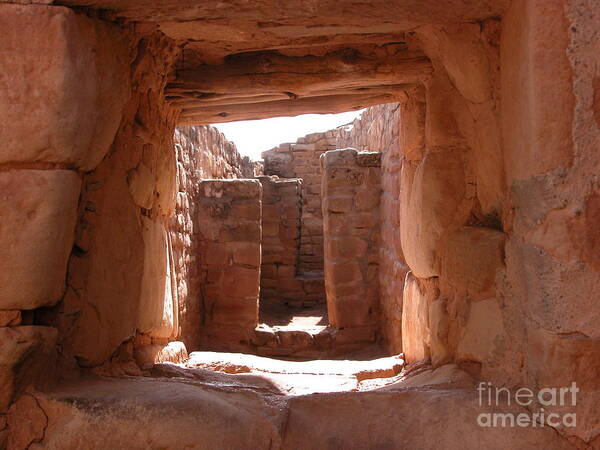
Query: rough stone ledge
x=244 y=411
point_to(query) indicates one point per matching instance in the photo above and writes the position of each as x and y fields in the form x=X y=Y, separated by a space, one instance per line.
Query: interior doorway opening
x=289 y=256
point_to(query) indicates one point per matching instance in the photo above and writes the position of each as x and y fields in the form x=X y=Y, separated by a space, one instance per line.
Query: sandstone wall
x=72 y=234
x=495 y=206
x=379 y=129
x=551 y=160
x=88 y=262
x=229 y=259
x=486 y=243
x=121 y=243
x=351 y=199
x=376 y=130
x=382 y=129
x=451 y=191
x=301 y=160
x=497 y=212
x=202 y=153
x=93 y=267
x=281 y=199
x=206 y=153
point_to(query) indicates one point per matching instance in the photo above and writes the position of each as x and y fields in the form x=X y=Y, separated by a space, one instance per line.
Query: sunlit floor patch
x=298 y=377
x=279 y=316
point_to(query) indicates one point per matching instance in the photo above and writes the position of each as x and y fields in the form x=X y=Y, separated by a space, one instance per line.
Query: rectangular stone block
x=246 y=209
x=343 y=272
x=312 y=286
x=241 y=282
x=247 y=254
x=37 y=227
x=289 y=285
x=353 y=313
x=265 y=284
x=339 y=204
x=157 y=311
x=416 y=333
x=215 y=254
x=247 y=231
x=470 y=258
x=286 y=272
x=241 y=312
x=27 y=357
x=229 y=220
x=67 y=74
x=349 y=246
x=270 y=229
x=354 y=335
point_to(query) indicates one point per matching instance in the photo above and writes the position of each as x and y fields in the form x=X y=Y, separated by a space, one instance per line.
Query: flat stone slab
x=134 y=413
x=238 y=362
x=300 y=377
x=98 y=413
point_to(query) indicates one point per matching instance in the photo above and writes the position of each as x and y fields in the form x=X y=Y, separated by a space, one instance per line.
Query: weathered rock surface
x=432 y=205
x=352 y=57
x=247 y=412
x=119 y=413
x=551 y=172
x=202 y=152
x=39 y=211
x=301 y=160
x=447 y=418
x=27 y=356
x=292 y=24
x=351 y=190
x=417 y=297
x=497 y=215
x=336 y=82
x=10 y=318
x=105 y=273
x=69 y=77
x=472 y=257
x=394 y=130
x=463 y=101
x=157 y=311
x=148 y=355
x=27 y=421
x=281 y=229
x=483 y=331
x=206 y=153
x=230 y=214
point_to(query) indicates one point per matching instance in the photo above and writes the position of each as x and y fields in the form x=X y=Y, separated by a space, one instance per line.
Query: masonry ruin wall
x=202 y=153
x=490 y=201
x=351 y=200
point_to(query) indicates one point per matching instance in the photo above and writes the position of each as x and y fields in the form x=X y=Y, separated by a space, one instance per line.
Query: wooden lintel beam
x=299 y=76
x=292 y=107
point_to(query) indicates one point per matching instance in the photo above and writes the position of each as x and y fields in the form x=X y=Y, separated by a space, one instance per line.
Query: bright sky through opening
x=252 y=137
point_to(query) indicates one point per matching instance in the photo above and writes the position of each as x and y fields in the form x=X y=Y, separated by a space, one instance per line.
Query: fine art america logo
x=564 y=397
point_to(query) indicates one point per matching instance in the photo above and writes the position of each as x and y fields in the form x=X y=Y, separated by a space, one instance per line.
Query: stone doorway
x=119 y=255
x=289 y=264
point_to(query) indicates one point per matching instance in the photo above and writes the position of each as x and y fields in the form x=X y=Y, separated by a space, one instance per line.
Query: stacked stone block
x=380 y=129
x=202 y=153
x=351 y=202
x=376 y=130
x=301 y=160
x=281 y=223
x=281 y=238
x=230 y=258
x=60 y=114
